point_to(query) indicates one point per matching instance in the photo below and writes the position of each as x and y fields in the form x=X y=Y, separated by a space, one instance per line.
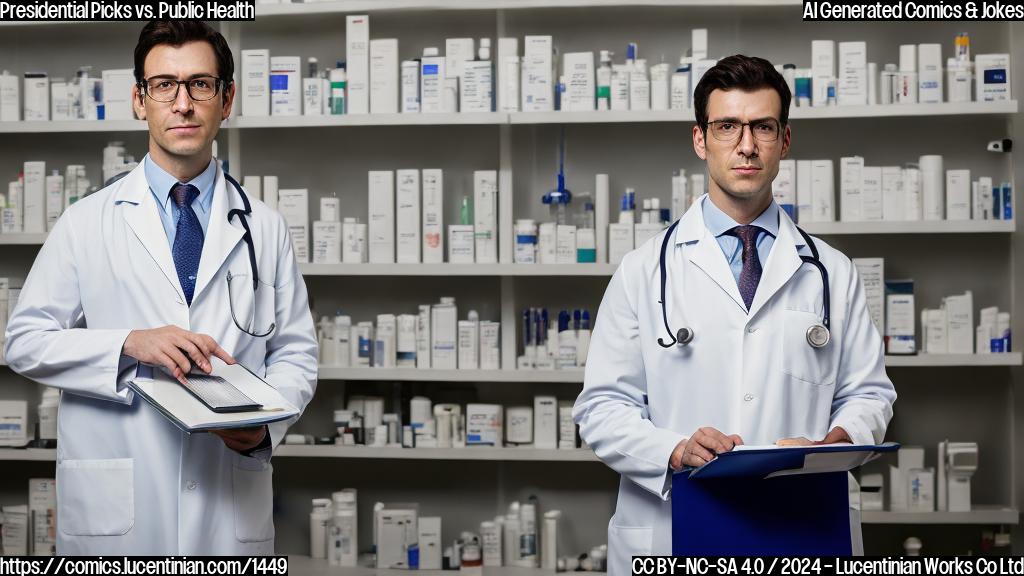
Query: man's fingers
x=189 y=347
x=736 y=440
x=716 y=441
x=223 y=354
x=700 y=452
x=169 y=363
x=177 y=356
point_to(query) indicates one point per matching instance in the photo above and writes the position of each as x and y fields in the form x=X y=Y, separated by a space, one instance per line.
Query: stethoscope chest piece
x=818 y=336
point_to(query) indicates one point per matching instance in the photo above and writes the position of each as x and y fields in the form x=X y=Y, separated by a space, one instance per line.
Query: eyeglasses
x=166 y=89
x=766 y=130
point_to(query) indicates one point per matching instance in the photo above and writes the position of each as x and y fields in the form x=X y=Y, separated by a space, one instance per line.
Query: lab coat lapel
x=783 y=262
x=140 y=213
x=221 y=237
x=706 y=254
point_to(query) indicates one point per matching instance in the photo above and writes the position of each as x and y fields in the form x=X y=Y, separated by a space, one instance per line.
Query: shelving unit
x=298 y=564
x=638 y=149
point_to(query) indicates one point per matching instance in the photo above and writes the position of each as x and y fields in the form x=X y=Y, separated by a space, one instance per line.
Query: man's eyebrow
x=738 y=121
x=173 y=77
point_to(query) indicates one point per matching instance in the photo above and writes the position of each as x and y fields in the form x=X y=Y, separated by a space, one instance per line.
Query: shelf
x=371 y=6
x=911 y=227
x=457 y=269
x=980 y=515
x=468 y=453
x=28 y=454
x=365 y=120
x=940 y=360
x=24 y=239
x=299 y=565
x=74 y=126
x=436 y=375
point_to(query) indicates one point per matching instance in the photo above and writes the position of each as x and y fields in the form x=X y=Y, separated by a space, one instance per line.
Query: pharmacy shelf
x=911 y=227
x=28 y=454
x=365 y=120
x=438 y=375
x=306 y=566
x=73 y=126
x=941 y=360
x=24 y=239
x=980 y=515
x=457 y=269
x=468 y=453
x=371 y=6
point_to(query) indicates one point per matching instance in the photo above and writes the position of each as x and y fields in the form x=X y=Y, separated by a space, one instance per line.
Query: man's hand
x=173 y=348
x=837 y=435
x=242 y=439
x=702 y=448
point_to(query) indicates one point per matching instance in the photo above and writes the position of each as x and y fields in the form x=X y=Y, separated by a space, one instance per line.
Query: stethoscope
x=247 y=236
x=818 y=335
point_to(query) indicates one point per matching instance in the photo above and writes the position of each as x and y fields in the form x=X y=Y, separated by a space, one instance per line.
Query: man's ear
x=699 y=143
x=139 y=102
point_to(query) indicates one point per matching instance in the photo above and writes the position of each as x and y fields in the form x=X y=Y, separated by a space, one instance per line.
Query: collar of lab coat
x=141 y=215
x=706 y=254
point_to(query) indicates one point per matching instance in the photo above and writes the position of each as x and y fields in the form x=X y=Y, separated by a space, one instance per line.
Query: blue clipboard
x=764 y=463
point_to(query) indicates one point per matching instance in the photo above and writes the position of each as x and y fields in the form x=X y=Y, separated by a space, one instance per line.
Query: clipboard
x=187 y=412
x=771 y=462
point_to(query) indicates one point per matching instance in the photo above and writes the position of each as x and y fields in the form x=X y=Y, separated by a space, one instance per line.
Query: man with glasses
x=749 y=372
x=136 y=277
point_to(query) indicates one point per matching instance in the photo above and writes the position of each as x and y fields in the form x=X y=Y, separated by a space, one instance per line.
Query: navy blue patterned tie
x=188 y=239
x=750 y=276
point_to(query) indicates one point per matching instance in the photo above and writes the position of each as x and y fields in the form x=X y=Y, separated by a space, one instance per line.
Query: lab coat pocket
x=254 y=496
x=96 y=497
x=624 y=542
x=799 y=359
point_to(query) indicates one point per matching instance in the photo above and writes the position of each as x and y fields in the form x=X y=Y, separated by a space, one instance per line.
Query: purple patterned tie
x=188 y=239
x=751 y=274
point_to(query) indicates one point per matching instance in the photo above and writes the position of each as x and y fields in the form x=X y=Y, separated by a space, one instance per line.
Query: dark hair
x=179 y=32
x=747 y=73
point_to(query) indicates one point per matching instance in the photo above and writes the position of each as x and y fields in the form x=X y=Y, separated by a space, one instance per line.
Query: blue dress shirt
x=160 y=183
x=719 y=223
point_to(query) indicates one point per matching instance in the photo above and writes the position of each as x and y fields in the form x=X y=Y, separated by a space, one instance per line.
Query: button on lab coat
x=128 y=480
x=751 y=374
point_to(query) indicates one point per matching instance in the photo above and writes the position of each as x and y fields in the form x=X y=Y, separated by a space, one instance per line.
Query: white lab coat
x=748 y=374
x=128 y=480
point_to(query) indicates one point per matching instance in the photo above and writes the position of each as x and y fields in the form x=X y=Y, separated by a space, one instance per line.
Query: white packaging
x=36 y=106
x=823 y=187
x=326 y=242
x=397 y=534
x=933 y=187
x=407 y=198
x=958 y=80
x=410 y=86
x=601 y=200
x=432 y=78
x=42 y=506
x=620 y=87
x=490 y=345
x=680 y=89
x=421 y=414
x=383 y=76
x=660 y=74
x=804 y=192
x=852 y=84
x=353 y=241
x=526 y=242
x=357 y=56
x=700 y=67
x=312 y=96
x=10 y=109
x=256 y=82
x=253 y=186
x=294 y=206
x=984 y=199
x=476 y=86
x=545 y=422
x=921 y=490
x=508 y=75
x=960 y=323
x=783 y=190
x=620 y=241
x=699 y=43
x=12 y=214
x=13 y=416
x=405 y=342
x=271 y=196
x=519 y=425
x=580 y=91
x=929 y=75
x=894 y=201
x=871 y=193
x=549 y=541
x=342 y=340
x=285 y=86
x=639 y=87
x=54 y=199
x=872 y=83
x=823 y=69
x=872 y=277
x=958 y=194
x=872 y=490
x=537 y=84
x=429 y=529
x=382 y=216
x=60 y=105
x=934 y=325
x=423 y=337
x=117 y=94
x=330 y=208
x=460 y=244
x=469 y=344
x=483 y=425
x=645 y=231
x=851 y=207
x=993 y=77
x=912 y=193
x=485 y=215
x=907 y=83
x=433 y=216
x=566 y=428
x=490 y=539
x=899 y=324
x=547 y=243
x=34 y=198
x=343 y=549
x=565 y=244
x=444 y=335
x=385 y=342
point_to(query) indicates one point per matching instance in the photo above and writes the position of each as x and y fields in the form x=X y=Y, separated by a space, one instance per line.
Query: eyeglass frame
x=220 y=83
x=742 y=125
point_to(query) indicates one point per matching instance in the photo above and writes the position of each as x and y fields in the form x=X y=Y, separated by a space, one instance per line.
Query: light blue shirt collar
x=718 y=222
x=160 y=183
